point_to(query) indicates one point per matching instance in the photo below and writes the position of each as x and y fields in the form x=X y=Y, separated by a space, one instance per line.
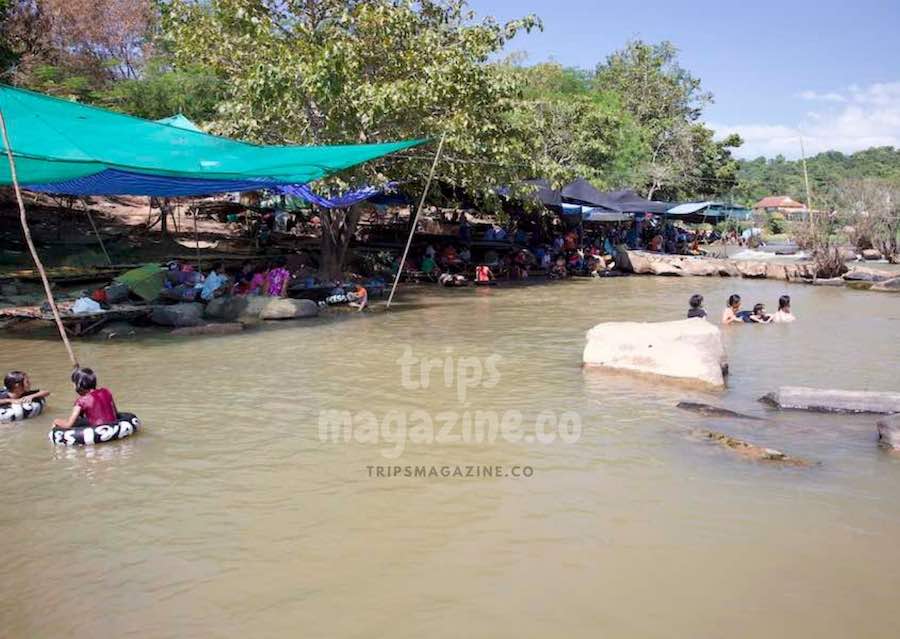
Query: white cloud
x=822 y=97
x=862 y=118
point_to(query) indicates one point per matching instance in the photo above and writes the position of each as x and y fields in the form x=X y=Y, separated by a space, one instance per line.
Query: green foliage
x=339 y=72
x=665 y=100
x=778 y=176
x=161 y=92
x=775 y=223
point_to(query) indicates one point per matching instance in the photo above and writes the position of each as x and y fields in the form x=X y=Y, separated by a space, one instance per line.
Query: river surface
x=231 y=515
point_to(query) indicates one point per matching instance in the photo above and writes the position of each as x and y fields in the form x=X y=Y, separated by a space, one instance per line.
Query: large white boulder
x=687 y=349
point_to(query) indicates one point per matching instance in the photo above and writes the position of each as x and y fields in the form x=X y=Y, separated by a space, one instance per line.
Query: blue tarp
x=117 y=182
x=341 y=201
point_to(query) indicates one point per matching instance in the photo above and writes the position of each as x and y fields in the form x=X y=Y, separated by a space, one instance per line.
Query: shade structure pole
x=34 y=254
x=90 y=218
x=412 y=231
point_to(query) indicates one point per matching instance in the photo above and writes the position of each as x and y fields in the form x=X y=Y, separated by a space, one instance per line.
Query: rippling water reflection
x=229 y=517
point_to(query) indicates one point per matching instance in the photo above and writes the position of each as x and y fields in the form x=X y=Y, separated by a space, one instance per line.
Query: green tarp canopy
x=55 y=141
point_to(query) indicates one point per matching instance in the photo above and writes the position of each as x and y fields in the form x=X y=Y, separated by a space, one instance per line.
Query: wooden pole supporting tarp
x=87 y=211
x=34 y=254
x=412 y=231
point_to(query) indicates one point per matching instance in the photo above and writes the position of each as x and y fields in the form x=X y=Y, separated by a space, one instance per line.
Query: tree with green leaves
x=334 y=71
x=667 y=101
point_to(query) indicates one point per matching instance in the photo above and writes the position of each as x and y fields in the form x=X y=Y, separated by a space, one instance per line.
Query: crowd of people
x=732 y=314
x=186 y=283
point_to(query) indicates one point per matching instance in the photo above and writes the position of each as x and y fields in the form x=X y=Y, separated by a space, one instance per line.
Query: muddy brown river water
x=233 y=515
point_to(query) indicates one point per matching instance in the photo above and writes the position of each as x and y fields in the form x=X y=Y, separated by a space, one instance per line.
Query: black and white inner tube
x=18 y=412
x=83 y=435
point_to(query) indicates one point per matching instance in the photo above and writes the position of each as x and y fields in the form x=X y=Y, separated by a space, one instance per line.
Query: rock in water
x=863 y=274
x=833 y=401
x=184 y=314
x=751 y=269
x=712 y=411
x=888 y=286
x=688 y=349
x=871 y=254
x=750 y=451
x=889 y=431
x=210 y=329
x=279 y=308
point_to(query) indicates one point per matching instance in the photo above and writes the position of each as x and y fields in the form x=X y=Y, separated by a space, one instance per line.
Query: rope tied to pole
x=31 y=248
x=437 y=157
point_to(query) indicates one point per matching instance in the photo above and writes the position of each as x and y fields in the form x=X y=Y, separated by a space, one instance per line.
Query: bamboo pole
x=412 y=231
x=34 y=254
x=806 y=180
x=90 y=218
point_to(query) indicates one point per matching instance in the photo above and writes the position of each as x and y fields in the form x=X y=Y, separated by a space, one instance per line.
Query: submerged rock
x=863 y=274
x=183 y=314
x=889 y=431
x=829 y=281
x=833 y=401
x=281 y=308
x=712 y=411
x=687 y=349
x=227 y=328
x=750 y=451
x=888 y=286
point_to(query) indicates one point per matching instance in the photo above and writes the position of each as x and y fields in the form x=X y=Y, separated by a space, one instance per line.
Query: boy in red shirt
x=95 y=406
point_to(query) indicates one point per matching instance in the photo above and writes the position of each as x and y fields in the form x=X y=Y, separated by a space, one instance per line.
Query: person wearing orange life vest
x=483 y=273
x=359 y=298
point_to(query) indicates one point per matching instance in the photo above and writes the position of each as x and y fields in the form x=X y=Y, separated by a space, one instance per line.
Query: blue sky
x=828 y=70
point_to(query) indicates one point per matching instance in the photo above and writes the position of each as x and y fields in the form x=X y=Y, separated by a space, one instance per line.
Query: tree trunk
x=338 y=228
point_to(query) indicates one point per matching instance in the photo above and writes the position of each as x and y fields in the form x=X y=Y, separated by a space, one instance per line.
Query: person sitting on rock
x=783 y=314
x=17 y=389
x=215 y=284
x=731 y=313
x=278 y=278
x=696 y=307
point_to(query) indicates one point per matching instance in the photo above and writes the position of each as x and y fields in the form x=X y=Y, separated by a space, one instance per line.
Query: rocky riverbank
x=645 y=263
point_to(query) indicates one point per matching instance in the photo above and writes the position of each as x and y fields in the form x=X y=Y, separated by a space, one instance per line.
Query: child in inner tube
x=94 y=406
x=17 y=389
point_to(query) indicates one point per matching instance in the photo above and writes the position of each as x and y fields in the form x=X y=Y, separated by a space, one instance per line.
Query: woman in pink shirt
x=95 y=406
x=278 y=278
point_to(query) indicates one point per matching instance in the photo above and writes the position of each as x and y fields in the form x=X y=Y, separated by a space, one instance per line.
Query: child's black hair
x=757 y=308
x=84 y=379
x=696 y=300
x=13 y=379
x=784 y=302
x=733 y=299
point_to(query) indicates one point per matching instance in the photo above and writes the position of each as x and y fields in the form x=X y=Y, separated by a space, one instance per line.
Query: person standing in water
x=783 y=315
x=730 y=314
x=696 y=306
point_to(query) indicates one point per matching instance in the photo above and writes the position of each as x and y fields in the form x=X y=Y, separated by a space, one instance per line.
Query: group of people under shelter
x=556 y=252
x=274 y=277
x=732 y=314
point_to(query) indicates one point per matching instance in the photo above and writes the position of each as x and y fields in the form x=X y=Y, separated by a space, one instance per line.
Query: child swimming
x=95 y=406
x=759 y=314
x=730 y=314
x=783 y=314
x=17 y=389
x=696 y=306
